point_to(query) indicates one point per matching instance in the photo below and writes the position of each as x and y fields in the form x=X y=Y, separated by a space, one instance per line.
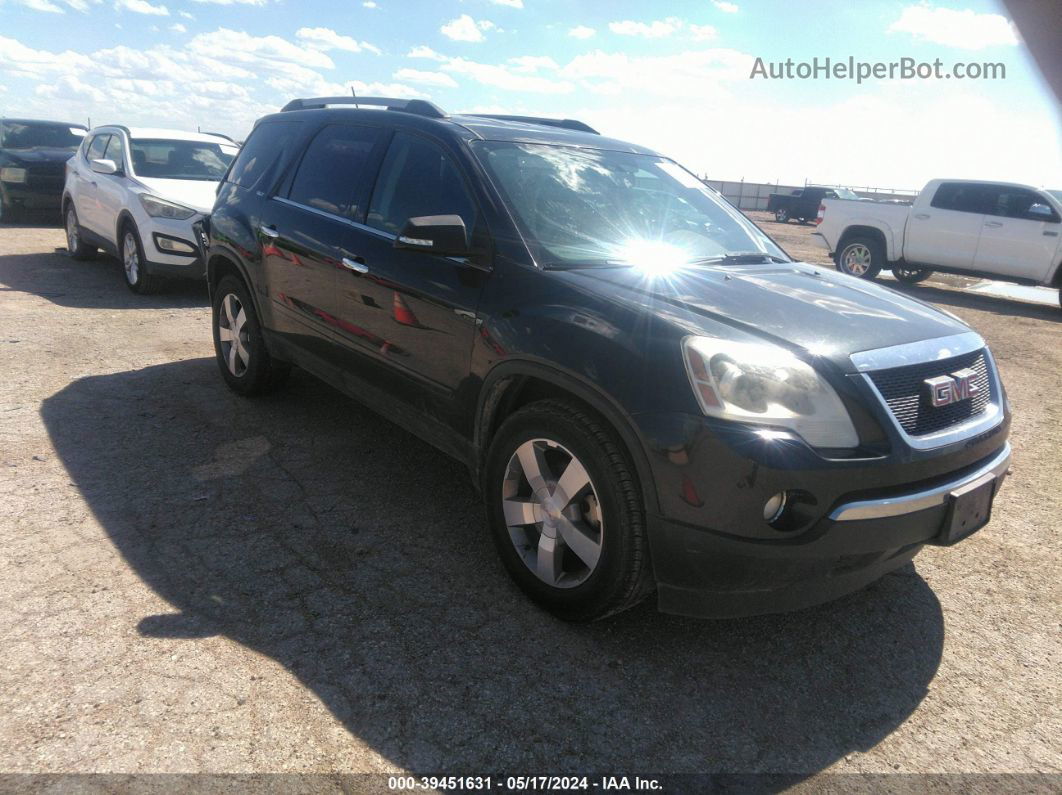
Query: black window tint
x=116 y=151
x=965 y=197
x=263 y=152
x=1016 y=203
x=333 y=167
x=99 y=143
x=417 y=179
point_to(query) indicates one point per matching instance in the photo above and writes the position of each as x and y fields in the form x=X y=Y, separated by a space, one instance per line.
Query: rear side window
x=331 y=174
x=416 y=179
x=99 y=143
x=964 y=197
x=263 y=153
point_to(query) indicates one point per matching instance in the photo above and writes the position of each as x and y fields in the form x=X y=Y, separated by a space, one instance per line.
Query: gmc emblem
x=947 y=389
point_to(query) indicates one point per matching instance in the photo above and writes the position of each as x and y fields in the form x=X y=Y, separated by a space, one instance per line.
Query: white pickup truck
x=997 y=230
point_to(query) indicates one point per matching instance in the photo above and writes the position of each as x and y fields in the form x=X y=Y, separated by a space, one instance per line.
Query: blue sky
x=670 y=75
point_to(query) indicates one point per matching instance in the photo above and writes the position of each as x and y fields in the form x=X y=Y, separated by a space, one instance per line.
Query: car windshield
x=164 y=159
x=586 y=207
x=34 y=135
x=844 y=193
x=1057 y=194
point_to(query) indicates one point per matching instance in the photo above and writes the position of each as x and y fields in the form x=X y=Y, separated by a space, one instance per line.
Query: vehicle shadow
x=311 y=530
x=90 y=284
x=965 y=299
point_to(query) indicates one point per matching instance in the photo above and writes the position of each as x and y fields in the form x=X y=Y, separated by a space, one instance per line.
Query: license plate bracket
x=969 y=509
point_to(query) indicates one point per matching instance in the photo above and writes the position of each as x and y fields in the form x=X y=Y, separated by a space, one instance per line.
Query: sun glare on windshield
x=652 y=257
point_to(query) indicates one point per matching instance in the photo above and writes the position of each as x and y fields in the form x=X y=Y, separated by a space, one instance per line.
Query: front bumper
x=32 y=198
x=190 y=265
x=820 y=240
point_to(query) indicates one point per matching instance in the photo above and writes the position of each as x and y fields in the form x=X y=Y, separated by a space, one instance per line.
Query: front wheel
x=134 y=265
x=239 y=345
x=566 y=511
x=781 y=215
x=912 y=275
x=862 y=257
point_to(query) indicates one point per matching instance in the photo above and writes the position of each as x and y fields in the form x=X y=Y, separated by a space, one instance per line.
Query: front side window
x=38 y=135
x=584 y=207
x=417 y=179
x=333 y=168
x=1022 y=203
x=159 y=158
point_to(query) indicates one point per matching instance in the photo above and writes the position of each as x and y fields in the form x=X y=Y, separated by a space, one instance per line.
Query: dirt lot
x=195 y=582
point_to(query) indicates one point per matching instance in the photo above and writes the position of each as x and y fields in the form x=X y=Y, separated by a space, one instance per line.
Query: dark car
x=33 y=157
x=648 y=392
x=803 y=203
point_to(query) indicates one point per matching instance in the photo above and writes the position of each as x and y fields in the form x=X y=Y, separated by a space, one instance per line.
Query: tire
x=9 y=214
x=605 y=517
x=781 y=215
x=134 y=266
x=239 y=347
x=862 y=257
x=76 y=246
x=911 y=275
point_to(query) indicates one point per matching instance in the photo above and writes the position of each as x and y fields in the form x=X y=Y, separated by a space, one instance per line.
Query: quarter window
x=417 y=179
x=333 y=169
x=116 y=151
x=98 y=145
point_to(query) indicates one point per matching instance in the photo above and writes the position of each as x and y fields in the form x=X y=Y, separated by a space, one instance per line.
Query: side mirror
x=444 y=235
x=103 y=166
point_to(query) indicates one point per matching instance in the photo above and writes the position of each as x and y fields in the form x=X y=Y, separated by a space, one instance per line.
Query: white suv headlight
x=160 y=208
x=764 y=384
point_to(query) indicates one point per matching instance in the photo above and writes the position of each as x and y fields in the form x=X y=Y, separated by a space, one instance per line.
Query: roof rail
x=420 y=107
x=567 y=124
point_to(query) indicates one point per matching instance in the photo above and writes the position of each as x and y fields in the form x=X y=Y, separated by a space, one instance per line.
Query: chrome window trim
x=921 y=500
x=924 y=351
x=917 y=352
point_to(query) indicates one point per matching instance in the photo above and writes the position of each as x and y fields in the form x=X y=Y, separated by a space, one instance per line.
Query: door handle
x=1049 y=233
x=921 y=216
x=357 y=264
x=269 y=231
x=993 y=224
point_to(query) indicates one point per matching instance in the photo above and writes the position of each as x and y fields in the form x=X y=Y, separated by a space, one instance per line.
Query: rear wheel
x=566 y=511
x=239 y=345
x=137 y=277
x=862 y=257
x=781 y=215
x=75 y=243
x=912 y=275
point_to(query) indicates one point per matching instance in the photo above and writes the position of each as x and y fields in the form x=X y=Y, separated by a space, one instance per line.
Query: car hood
x=194 y=193
x=797 y=305
x=42 y=154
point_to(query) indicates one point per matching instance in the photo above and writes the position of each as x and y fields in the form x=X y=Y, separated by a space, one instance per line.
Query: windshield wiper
x=742 y=257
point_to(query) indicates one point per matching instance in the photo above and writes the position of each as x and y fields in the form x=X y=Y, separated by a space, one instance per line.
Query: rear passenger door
x=946 y=232
x=408 y=318
x=308 y=232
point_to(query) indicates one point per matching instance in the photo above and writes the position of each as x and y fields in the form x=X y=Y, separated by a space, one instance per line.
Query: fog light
x=173 y=246
x=774 y=507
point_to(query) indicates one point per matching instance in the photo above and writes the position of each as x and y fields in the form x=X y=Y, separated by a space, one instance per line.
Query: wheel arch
x=510 y=385
x=873 y=232
x=222 y=262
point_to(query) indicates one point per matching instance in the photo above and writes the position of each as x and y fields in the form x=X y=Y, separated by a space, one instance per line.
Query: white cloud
x=951 y=27
x=55 y=8
x=725 y=7
x=186 y=15
x=421 y=51
x=436 y=79
x=650 y=30
x=369 y=4
x=328 y=39
x=532 y=63
x=464 y=28
x=177 y=27
x=506 y=78
x=271 y=52
x=142 y=7
x=704 y=32
x=233 y=2
x=43 y=5
x=702 y=73
x=581 y=32
x=510 y=3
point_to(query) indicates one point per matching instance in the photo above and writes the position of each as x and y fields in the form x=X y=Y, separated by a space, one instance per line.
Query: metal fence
x=753 y=195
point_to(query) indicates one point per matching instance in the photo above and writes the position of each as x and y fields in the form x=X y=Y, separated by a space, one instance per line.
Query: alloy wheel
x=552 y=512
x=232 y=334
x=130 y=258
x=71 y=231
x=856 y=259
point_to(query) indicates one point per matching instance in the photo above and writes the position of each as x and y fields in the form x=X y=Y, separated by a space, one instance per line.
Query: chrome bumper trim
x=921 y=500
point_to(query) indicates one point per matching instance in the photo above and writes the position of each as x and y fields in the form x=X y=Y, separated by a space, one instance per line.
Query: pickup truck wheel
x=861 y=257
x=912 y=275
x=781 y=215
x=566 y=511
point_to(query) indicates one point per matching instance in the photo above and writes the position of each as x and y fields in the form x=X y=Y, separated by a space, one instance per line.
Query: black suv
x=648 y=392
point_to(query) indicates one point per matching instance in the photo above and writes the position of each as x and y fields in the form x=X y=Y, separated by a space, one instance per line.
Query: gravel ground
x=196 y=582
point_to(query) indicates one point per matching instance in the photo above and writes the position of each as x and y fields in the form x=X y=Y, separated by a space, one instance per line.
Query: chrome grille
x=904 y=392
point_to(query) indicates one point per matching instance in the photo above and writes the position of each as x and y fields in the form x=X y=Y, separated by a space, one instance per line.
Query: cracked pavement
x=195 y=582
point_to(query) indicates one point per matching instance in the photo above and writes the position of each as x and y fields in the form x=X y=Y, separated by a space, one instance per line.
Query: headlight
x=766 y=385
x=11 y=174
x=160 y=208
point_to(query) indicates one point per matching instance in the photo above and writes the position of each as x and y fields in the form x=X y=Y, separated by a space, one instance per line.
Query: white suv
x=136 y=192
